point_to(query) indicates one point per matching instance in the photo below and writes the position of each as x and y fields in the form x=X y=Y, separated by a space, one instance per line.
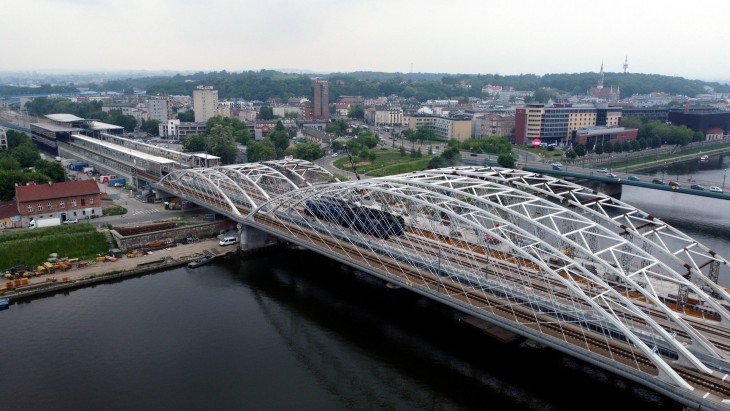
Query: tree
x=607 y=147
x=309 y=151
x=263 y=150
x=571 y=154
x=8 y=162
x=449 y=158
x=337 y=127
x=52 y=169
x=368 y=140
x=580 y=150
x=425 y=133
x=506 y=160
x=409 y=135
x=26 y=154
x=402 y=151
x=240 y=130
x=186 y=116
x=356 y=111
x=193 y=143
x=598 y=149
x=124 y=120
x=220 y=143
x=281 y=140
x=151 y=127
x=266 y=113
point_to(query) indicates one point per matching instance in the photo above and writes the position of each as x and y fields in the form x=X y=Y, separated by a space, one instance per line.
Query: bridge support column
x=253 y=239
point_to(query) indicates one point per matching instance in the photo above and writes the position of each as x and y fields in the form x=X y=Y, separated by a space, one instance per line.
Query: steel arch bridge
x=550 y=260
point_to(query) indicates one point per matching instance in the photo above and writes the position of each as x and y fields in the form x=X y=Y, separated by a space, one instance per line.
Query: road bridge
x=550 y=260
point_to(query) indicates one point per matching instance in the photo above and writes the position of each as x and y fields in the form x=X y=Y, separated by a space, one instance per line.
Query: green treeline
x=265 y=84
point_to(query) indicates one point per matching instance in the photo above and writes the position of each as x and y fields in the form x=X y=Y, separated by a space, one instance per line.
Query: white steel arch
x=260 y=180
x=669 y=242
x=303 y=173
x=491 y=211
x=209 y=186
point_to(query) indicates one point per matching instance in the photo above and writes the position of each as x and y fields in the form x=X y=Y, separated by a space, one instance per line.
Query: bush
x=32 y=247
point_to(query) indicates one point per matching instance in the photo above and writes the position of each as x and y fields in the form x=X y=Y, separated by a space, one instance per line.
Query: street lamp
x=723 y=180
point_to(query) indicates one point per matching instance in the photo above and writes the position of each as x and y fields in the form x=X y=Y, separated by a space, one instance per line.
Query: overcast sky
x=671 y=37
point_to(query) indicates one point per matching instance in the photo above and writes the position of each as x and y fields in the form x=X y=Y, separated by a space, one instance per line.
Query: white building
x=159 y=108
x=205 y=103
x=175 y=130
x=3 y=140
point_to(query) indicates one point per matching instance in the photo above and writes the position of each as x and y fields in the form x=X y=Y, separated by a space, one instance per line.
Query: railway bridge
x=547 y=259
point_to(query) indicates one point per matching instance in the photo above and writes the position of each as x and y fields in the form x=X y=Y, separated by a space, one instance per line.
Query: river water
x=296 y=331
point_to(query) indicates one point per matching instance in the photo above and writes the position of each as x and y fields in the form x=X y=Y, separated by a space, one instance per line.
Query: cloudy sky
x=671 y=37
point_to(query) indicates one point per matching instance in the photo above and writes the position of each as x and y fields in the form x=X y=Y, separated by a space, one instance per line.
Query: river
x=296 y=331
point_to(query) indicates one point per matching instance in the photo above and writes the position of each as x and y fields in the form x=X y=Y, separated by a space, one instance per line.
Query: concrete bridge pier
x=254 y=241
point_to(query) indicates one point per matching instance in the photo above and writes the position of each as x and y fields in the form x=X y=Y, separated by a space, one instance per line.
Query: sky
x=669 y=37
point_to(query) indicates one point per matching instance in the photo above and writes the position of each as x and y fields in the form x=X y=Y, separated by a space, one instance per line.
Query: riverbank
x=96 y=272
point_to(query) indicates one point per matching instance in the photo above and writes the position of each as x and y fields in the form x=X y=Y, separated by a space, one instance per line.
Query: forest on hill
x=265 y=84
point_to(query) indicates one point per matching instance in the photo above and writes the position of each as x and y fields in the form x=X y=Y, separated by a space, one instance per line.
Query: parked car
x=602 y=170
x=334 y=154
x=611 y=175
x=634 y=178
x=697 y=187
x=657 y=181
x=71 y=221
x=715 y=189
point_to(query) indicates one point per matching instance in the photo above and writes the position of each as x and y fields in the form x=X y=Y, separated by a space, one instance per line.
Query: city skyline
x=323 y=36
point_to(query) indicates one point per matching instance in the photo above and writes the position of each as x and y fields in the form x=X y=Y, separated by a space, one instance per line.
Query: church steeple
x=600 y=81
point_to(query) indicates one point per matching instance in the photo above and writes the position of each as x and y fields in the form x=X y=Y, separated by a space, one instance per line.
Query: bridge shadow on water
x=379 y=348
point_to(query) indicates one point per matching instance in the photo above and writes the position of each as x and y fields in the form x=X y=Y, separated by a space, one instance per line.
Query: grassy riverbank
x=32 y=247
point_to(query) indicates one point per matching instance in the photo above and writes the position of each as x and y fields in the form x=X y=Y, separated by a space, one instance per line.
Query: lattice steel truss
x=494 y=248
x=546 y=257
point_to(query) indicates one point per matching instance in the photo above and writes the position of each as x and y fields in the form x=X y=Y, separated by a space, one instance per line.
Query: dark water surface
x=296 y=331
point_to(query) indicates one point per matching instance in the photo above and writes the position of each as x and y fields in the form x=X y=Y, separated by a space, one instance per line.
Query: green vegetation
x=114 y=210
x=22 y=164
x=385 y=163
x=32 y=247
x=265 y=84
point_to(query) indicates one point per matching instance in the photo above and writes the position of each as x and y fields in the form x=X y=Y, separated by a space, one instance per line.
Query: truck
x=77 y=166
x=117 y=182
x=45 y=222
x=105 y=179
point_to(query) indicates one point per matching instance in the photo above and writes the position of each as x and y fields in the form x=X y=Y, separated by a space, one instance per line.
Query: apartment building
x=205 y=103
x=159 y=108
x=444 y=127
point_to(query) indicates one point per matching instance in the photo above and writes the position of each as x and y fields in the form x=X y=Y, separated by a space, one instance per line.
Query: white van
x=228 y=241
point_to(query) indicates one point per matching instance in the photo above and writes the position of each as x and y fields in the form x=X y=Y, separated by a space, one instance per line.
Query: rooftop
x=36 y=192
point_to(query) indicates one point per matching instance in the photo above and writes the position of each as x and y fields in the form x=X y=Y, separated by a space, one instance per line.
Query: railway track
x=578 y=337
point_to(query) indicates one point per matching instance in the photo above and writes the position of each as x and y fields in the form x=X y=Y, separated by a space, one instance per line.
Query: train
x=370 y=221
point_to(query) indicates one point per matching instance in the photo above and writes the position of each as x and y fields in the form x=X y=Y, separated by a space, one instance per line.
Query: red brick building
x=67 y=200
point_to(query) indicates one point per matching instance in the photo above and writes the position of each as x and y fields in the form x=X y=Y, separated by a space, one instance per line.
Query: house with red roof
x=67 y=200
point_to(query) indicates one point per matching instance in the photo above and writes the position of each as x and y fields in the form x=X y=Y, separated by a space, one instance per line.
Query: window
x=91 y=200
x=40 y=207
x=62 y=204
x=83 y=201
x=30 y=208
x=50 y=206
x=73 y=203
